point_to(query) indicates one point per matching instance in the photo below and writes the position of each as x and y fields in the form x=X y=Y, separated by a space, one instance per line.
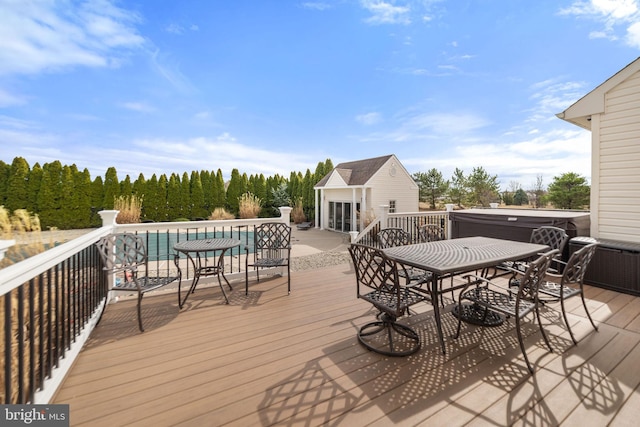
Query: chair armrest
x=477 y=280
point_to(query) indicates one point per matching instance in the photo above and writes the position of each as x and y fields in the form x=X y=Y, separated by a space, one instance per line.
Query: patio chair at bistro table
x=379 y=283
x=489 y=296
x=126 y=254
x=390 y=237
x=570 y=282
x=271 y=248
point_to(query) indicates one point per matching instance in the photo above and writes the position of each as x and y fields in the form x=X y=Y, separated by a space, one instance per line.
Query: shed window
x=392 y=206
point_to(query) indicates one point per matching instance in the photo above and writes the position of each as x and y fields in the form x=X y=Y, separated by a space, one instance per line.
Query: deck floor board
x=275 y=359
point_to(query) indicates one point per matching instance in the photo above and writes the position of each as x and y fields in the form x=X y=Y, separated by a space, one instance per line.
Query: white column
x=354 y=224
x=363 y=208
x=323 y=209
x=316 y=207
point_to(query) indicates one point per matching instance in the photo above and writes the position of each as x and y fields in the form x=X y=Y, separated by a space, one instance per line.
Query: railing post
x=384 y=216
x=108 y=217
x=449 y=207
x=354 y=236
x=109 y=220
x=285 y=214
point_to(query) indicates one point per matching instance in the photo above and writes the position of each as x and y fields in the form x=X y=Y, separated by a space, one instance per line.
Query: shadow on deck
x=272 y=359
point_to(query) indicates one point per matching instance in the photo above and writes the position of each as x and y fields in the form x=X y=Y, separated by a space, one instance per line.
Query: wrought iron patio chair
x=379 y=283
x=553 y=237
x=434 y=233
x=271 y=248
x=570 y=282
x=391 y=237
x=490 y=297
x=125 y=254
x=431 y=233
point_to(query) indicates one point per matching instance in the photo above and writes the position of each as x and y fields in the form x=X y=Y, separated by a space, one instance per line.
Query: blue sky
x=274 y=86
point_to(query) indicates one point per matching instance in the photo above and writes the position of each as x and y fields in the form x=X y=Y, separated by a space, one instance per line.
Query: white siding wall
x=399 y=187
x=618 y=174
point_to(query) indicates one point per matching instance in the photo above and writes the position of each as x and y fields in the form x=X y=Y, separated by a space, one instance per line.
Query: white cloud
x=612 y=14
x=204 y=153
x=174 y=29
x=140 y=107
x=316 y=5
x=8 y=99
x=369 y=118
x=37 y=36
x=386 y=13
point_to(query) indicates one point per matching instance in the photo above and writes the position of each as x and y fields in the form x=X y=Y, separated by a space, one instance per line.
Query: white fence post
x=108 y=217
x=449 y=209
x=285 y=214
x=384 y=215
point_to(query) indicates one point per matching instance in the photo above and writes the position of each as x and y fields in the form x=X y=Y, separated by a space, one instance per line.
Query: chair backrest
x=390 y=237
x=554 y=237
x=577 y=265
x=272 y=235
x=375 y=272
x=122 y=251
x=431 y=233
x=534 y=275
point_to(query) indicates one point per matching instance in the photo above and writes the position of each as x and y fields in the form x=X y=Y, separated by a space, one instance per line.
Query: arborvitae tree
x=126 y=188
x=162 y=207
x=174 y=200
x=34 y=183
x=82 y=195
x=220 y=193
x=5 y=169
x=49 y=197
x=234 y=190
x=97 y=200
x=258 y=187
x=149 y=194
x=17 y=196
x=66 y=215
x=320 y=171
x=111 y=188
x=140 y=186
x=197 y=197
x=185 y=196
x=307 y=195
x=207 y=191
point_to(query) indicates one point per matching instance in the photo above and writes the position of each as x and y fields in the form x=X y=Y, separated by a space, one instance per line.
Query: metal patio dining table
x=194 y=249
x=457 y=256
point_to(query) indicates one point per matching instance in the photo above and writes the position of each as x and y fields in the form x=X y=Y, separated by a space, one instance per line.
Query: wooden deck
x=273 y=359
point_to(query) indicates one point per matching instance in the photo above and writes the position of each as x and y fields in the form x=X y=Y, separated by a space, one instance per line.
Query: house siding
x=618 y=145
x=401 y=188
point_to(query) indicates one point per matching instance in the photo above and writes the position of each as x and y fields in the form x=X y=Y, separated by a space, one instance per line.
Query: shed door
x=340 y=216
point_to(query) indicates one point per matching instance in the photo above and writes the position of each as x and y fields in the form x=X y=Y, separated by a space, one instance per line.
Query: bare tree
x=537 y=192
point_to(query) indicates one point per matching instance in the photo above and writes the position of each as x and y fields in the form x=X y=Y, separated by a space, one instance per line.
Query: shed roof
x=358 y=172
x=579 y=113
